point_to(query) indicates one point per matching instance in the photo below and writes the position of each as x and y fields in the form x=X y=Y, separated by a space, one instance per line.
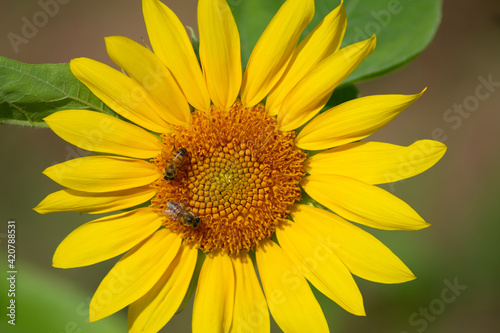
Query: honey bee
x=175 y=161
x=177 y=212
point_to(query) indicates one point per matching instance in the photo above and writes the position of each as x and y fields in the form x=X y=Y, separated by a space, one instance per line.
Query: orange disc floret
x=241 y=177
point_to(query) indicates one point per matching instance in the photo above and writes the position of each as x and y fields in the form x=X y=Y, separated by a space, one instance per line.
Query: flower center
x=235 y=171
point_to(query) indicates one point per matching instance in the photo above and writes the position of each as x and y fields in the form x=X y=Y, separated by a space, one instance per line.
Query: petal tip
x=48 y=117
x=77 y=61
x=419 y=225
x=442 y=149
x=410 y=276
x=49 y=172
x=361 y=312
x=417 y=96
x=39 y=209
x=373 y=42
x=92 y=318
x=93 y=314
x=77 y=66
x=57 y=263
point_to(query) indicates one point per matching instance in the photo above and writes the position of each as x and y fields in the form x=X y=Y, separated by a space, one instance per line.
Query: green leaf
x=403 y=32
x=29 y=93
x=404 y=28
x=341 y=95
x=252 y=18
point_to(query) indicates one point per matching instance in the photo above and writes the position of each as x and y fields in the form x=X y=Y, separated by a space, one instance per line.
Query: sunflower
x=220 y=173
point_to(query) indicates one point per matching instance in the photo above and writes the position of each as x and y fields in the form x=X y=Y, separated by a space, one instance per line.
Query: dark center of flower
x=240 y=176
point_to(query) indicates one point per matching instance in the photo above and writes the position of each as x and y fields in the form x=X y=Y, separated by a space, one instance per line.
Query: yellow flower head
x=223 y=173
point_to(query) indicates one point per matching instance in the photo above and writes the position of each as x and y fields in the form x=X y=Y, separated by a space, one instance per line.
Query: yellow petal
x=220 y=53
x=96 y=131
x=362 y=203
x=103 y=173
x=69 y=200
x=120 y=92
x=363 y=254
x=214 y=300
x=377 y=162
x=274 y=49
x=321 y=266
x=352 y=120
x=289 y=297
x=105 y=238
x=250 y=307
x=141 y=64
x=134 y=274
x=324 y=40
x=172 y=45
x=152 y=311
x=309 y=96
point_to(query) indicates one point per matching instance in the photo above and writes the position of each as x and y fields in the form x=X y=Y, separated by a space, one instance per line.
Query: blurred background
x=456 y=260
